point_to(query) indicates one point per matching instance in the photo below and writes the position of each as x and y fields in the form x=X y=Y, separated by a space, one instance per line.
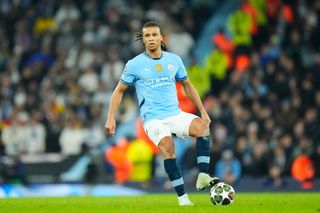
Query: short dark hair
x=139 y=34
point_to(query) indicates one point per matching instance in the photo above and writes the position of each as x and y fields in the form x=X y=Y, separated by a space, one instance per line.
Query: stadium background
x=256 y=65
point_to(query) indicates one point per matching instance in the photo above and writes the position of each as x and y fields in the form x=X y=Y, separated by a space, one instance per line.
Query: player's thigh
x=156 y=130
x=180 y=124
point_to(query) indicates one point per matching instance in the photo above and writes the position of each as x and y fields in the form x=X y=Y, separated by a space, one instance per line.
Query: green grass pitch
x=167 y=203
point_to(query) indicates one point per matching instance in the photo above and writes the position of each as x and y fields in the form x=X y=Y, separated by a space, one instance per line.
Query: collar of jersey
x=153 y=58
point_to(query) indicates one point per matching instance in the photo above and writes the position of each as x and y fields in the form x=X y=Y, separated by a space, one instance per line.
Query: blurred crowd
x=61 y=60
x=264 y=99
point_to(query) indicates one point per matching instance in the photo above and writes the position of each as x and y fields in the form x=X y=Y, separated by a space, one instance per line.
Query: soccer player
x=154 y=74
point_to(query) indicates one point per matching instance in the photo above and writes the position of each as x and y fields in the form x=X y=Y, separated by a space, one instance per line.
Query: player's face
x=152 y=38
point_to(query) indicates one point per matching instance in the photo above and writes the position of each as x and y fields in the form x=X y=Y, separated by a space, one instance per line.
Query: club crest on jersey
x=159 y=67
x=170 y=67
x=157 y=132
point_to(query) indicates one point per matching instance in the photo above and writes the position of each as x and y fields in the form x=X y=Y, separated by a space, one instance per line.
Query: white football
x=222 y=194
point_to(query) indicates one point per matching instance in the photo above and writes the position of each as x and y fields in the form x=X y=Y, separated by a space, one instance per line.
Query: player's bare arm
x=194 y=97
x=115 y=101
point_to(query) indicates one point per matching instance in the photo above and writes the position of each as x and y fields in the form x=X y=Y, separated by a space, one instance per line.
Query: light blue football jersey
x=155 y=83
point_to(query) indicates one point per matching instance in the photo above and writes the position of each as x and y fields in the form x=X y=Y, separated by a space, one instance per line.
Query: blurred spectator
x=252 y=133
x=89 y=81
x=304 y=146
x=94 y=135
x=118 y=158
x=66 y=12
x=23 y=38
x=298 y=130
x=277 y=158
x=199 y=78
x=286 y=117
x=35 y=135
x=275 y=177
x=219 y=143
x=312 y=123
x=111 y=70
x=140 y=156
x=180 y=42
x=228 y=168
x=303 y=170
x=259 y=166
x=72 y=137
x=286 y=142
x=13 y=137
x=53 y=130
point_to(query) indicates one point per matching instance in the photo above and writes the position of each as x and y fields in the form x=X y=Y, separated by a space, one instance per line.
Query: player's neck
x=154 y=54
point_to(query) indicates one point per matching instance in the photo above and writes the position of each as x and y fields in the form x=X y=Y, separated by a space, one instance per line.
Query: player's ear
x=162 y=37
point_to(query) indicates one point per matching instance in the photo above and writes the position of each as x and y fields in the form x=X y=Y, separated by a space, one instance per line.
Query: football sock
x=203 y=153
x=173 y=171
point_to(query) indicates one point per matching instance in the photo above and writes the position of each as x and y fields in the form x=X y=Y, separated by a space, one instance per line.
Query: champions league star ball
x=222 y=194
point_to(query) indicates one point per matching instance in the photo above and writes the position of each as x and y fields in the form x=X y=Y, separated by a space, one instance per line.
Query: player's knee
x=198 y=128
x=167 y=148
x=201 y=130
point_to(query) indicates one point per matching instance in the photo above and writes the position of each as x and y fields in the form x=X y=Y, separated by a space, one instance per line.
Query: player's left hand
x=205 y=117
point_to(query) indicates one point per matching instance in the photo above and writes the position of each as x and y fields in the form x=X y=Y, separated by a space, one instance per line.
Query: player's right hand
x=110 y=126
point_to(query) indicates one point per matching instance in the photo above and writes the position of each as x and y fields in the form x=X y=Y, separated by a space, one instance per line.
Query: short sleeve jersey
x=155 y=83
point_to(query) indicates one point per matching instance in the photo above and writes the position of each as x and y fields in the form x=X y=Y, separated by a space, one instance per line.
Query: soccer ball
x=222 y=194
